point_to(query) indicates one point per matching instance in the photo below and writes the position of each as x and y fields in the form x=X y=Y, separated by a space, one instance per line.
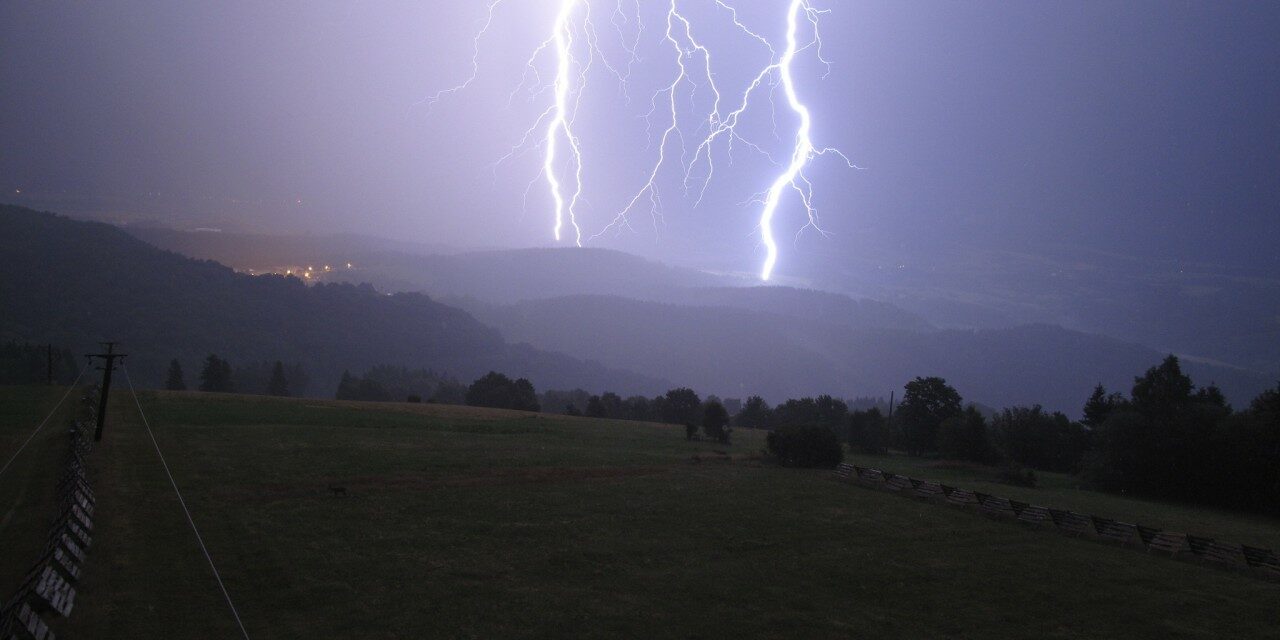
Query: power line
x=43 y=422
x=217 y=576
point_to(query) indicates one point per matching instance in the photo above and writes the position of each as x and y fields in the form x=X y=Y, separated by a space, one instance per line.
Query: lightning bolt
x=561 y=126
x=805 y=151
x=575 y=46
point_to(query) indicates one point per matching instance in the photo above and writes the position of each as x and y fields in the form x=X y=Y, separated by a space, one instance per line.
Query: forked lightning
x=575 y=45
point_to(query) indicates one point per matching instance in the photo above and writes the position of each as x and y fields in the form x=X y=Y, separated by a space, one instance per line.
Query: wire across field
x=463 y=522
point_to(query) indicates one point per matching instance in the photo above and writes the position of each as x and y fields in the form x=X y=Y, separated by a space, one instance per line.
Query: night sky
x=1146 y=128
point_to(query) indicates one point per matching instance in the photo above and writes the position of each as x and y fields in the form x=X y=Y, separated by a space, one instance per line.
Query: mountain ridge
x=73 y=283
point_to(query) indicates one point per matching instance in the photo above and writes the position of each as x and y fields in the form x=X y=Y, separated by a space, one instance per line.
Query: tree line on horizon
x=26 y=363
x=257 y=378
x=1166 y=439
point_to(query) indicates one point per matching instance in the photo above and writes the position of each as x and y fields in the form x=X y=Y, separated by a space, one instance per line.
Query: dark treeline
x=217 y=375
x=385 y=383
x=22 y=363
x=1169 y=439
x=1166 y=439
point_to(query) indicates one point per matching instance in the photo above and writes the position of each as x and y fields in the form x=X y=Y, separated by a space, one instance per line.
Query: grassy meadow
x=471 y=523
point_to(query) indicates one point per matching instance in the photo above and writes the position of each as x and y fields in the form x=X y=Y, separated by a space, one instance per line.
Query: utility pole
x=891 y=405
x=110 y=364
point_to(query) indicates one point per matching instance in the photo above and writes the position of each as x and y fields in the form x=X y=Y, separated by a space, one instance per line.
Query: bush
x=500 y=392
x=807 y=446
x=715 y=422
x=414 y=398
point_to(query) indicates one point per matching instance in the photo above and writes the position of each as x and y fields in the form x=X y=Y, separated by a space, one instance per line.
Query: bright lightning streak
x=560 y=125
x=561 y=146
x=802 y=154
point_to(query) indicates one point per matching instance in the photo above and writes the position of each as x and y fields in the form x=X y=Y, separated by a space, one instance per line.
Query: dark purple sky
x=1139 y=127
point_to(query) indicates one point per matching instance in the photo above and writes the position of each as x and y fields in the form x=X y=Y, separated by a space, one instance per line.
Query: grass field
x=466 y=523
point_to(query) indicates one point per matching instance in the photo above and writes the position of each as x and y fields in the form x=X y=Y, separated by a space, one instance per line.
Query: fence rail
x=1258 y=561
x=49 y=587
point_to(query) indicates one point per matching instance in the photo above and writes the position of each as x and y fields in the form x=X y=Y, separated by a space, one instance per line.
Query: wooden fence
x=49 y=587
x=1258 y=561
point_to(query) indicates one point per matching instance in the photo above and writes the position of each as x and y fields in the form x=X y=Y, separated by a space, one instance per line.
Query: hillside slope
x=74 y=283
x=515 y=275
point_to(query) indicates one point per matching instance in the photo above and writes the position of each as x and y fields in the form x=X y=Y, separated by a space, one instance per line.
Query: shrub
x=715 y=422
x=500 y=392
x=806 y=446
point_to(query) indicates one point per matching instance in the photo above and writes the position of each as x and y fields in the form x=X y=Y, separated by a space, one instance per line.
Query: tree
x=1163 y=391
x=498 y=391
x=681 y=406
x=216 y=375
x=1038 y=439
x=715 y=422
x=1161 y=443
x=278 y=386
x=1248 y=443
x=638 y=408
x=1100 y=405
x=1267 y=403
x=612 y=404
x=869 y=431
x=965 y=437
x=755 y=414
x=926 y=404
x=595 y=408
x=174 y=381
x=805 y=446
x=823 y=411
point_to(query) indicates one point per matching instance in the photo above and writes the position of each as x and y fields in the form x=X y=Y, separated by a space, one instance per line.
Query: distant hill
x=1219 y=312
x=514 y=275
x=733 y=337
x=734 y=351
x=259 y=251
x=74 y=283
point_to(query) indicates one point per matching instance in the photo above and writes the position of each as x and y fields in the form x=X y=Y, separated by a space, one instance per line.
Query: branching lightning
x=575 y=47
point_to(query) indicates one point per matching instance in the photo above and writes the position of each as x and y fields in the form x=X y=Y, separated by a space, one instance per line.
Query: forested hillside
x=74 y=283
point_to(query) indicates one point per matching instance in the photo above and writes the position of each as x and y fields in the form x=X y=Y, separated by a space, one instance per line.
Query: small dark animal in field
x=337 y=491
